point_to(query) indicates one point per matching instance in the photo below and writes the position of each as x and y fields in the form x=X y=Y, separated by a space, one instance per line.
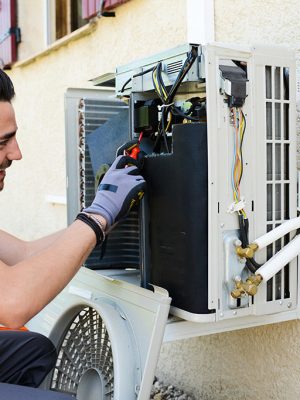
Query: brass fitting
x=246 y=288
x=247 y=252
x=255 y=279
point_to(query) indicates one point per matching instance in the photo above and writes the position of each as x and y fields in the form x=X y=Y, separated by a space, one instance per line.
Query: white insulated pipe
x=277 y=233
x=280 y=259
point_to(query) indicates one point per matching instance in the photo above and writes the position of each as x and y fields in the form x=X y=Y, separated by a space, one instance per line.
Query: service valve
x=249 y=287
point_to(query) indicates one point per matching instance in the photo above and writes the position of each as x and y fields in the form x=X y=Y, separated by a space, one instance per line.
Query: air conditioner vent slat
x=277 y=177
x=174 y=67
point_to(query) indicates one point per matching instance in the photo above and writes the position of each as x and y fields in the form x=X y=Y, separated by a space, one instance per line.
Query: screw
x=221 y=315
x=234 y=312
x=222 y=225
x=289 y=305
x=237 y=242
x=137 y=389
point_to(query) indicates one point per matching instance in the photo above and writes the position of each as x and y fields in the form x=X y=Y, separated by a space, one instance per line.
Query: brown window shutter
x=90 y=8
x=109 y=4
x=9 y=33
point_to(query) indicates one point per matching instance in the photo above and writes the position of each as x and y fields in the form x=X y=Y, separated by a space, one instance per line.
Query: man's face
x=9 y=148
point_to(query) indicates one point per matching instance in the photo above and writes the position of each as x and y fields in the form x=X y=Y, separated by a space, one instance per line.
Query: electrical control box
x=216 y=126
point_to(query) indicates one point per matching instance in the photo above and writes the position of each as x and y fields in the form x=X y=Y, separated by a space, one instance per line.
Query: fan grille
x=86 y=346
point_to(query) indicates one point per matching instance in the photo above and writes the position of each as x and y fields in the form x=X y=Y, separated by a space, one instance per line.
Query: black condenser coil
x=121 y=247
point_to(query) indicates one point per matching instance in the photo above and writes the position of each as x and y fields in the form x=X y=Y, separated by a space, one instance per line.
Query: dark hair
x=7 y=90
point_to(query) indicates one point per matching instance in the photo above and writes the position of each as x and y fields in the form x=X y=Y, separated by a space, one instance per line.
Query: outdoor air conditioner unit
x=218 y=131
x=217 y=128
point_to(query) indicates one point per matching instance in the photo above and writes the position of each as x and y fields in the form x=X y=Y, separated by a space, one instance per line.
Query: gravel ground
x=160 y=391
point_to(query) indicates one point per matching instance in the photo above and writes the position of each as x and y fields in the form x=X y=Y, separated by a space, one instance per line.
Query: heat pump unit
x=217 y=127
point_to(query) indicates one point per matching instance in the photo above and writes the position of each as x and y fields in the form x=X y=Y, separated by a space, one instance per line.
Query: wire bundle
x=237 y=166
x=167 y=97
x=168 y=107
x=239 y=123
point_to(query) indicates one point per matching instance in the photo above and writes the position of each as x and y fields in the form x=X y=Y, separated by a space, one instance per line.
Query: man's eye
x=3 y=142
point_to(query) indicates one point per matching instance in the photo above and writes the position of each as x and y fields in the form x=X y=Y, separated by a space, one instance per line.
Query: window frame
x=50 y=19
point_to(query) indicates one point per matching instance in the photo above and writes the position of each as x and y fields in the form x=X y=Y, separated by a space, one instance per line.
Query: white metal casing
x=253 y=185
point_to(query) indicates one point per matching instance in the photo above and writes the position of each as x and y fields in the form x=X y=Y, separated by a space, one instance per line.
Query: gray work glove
x=120 y=188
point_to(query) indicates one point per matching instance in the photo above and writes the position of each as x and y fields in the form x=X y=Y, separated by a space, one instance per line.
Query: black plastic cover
x=177 y=191
x=146 y=117
x=238 y=78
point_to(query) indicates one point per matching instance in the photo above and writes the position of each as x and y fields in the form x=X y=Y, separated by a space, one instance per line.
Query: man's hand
x=120 y=189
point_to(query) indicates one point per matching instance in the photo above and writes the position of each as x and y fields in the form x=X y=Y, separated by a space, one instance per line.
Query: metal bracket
x=11 y=31
x=234 y=266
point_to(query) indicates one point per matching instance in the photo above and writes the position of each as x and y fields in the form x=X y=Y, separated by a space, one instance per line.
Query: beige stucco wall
x=31 y=20
x=255 y=21
x=259 y=363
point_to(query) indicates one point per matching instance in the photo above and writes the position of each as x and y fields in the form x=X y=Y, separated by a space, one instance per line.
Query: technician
x=33 y=273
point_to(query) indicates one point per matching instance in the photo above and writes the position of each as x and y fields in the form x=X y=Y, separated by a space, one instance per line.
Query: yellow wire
x=169 y=122
x=237 y=171
x=242 y=132
x=159 y=88
x=161 y=91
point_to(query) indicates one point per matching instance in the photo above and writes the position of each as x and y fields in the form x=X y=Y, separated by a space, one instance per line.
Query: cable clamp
x=167 y=105
x=236 y=207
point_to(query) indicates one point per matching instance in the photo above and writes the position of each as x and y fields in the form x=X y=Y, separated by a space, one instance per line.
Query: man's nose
x=14 y=152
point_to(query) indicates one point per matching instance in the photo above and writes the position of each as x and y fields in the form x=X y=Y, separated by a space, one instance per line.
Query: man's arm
x=14 y=250
x=26 y=287
x=32 y=275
